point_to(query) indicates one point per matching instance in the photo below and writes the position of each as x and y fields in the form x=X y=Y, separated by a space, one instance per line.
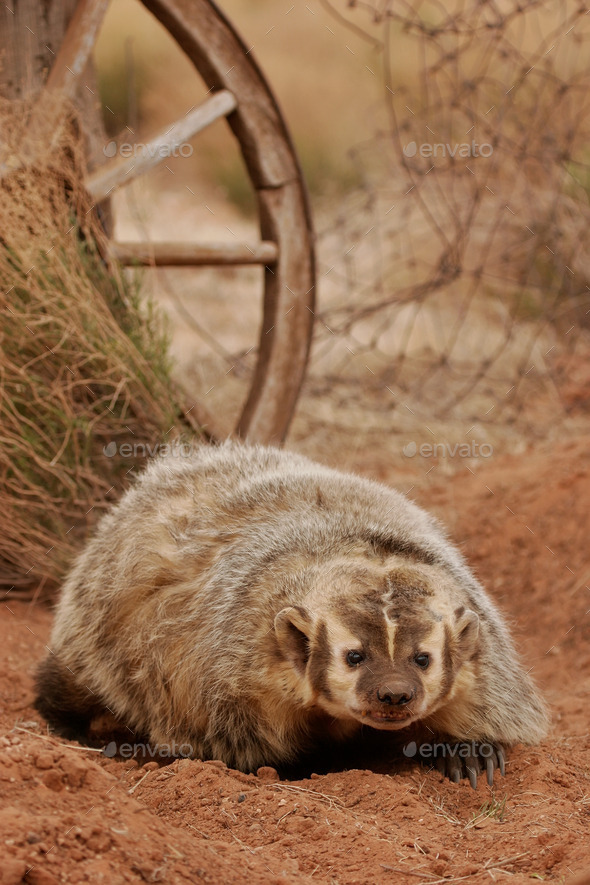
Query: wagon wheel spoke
x=193 y=255
x=109 y=176
x=77 y=46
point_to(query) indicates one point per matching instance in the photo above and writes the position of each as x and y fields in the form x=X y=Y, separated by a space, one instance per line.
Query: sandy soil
x=70 y=814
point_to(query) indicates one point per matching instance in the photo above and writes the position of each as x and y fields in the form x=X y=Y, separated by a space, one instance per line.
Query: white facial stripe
x=392 y=628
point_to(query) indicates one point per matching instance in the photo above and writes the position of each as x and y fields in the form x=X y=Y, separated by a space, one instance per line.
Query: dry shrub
x=454 y=284
x=82 y=364
x=459 y=278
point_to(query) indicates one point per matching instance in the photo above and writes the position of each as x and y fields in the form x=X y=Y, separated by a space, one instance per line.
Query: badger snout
x=395 y=696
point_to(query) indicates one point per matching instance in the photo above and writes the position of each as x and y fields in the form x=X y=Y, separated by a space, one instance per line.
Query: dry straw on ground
x=82 y=364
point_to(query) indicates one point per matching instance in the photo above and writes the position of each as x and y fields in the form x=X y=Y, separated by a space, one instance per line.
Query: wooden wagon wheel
x=240 y=93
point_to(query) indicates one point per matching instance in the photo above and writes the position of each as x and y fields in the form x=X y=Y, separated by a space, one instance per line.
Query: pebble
x=44 y=760
x=53 y=780
x=266 y=773
x=12 y=871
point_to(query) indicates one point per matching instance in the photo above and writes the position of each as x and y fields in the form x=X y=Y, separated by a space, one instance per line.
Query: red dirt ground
x=69 y=814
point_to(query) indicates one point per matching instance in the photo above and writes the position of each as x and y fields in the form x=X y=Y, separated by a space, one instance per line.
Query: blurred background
x=446 y=153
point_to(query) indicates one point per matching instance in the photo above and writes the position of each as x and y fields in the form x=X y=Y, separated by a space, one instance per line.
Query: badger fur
x=250 y=603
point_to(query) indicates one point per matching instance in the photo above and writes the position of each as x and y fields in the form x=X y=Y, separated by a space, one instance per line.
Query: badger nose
x=393 y=699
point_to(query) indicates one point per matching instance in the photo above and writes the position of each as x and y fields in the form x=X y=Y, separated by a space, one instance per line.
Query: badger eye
x=423 y=660
x=353 y=658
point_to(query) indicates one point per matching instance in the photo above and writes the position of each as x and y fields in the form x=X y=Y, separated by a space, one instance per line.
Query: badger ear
x=292 y=629
x=466 y=631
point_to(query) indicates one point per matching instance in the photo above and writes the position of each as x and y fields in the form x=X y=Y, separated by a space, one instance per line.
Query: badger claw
x=467 y=760
x=490 y=772
x=472 y=775
x=485 y=757
x=454 y=773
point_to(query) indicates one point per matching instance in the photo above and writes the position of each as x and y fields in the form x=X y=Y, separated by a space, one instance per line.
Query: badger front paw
x=468 y=759
x=461 y=759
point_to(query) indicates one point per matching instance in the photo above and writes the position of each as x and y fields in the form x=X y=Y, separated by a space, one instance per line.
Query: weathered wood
x=161 y=147
x=30 y=36
x=70 y=62
x=287 y=323
x=38 y=43
x=225 y=62
x=75 y=51
x=190 y=254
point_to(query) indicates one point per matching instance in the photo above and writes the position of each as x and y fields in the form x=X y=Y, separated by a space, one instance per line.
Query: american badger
x=252 y=604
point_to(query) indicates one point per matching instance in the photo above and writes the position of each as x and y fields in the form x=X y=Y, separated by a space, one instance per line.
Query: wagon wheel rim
x=285 y=218
x=240 y=93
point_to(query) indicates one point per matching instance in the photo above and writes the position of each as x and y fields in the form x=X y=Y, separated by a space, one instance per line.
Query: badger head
x=383 y=646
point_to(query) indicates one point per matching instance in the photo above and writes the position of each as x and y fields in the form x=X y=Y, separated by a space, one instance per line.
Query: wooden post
x=34 y=36
x=31 y=33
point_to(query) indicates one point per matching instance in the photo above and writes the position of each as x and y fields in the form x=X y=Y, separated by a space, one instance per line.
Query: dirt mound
x=67 y=819
x=74 y=815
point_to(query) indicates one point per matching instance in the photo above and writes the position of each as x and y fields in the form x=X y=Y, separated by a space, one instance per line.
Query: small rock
x=53 y=780
x=150 y=766
x=100 y=843
x=266 y=773
x=469 y=870
x=44 y=760
x=74 y=769
x=12 y=871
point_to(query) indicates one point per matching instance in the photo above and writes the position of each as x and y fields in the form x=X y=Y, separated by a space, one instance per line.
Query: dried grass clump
x=82 y=362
